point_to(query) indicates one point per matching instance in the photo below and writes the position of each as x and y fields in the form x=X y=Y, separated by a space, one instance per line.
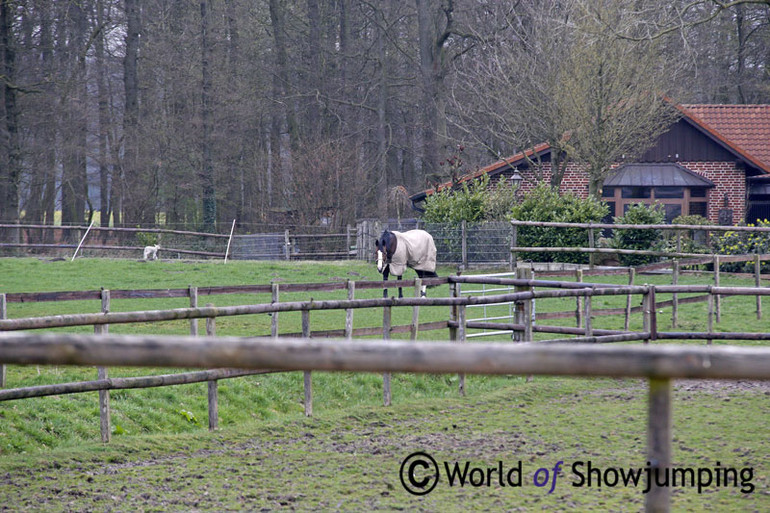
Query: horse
x=398 y=250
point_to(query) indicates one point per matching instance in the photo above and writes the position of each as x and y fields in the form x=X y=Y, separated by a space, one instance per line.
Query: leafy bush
x=634 y=238
x=690 y=241
x=546 y=204
x=743 y=243
x=473 y=202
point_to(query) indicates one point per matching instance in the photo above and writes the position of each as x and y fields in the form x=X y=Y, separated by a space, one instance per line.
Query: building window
x=676 y=201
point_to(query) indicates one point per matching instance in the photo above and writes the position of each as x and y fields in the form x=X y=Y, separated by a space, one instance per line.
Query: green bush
x=476 y=201
x=634 y=238
x=690 y=241
x=743 y=243
x=546 y=204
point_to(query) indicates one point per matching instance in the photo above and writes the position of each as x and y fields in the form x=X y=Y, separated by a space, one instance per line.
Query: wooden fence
x=659 y=364
x=523 y=327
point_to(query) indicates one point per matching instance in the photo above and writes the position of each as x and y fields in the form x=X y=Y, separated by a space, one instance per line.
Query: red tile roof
x=508 y=161
x=745 y=128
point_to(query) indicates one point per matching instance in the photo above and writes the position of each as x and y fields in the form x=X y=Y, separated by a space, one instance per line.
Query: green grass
x=268 y=455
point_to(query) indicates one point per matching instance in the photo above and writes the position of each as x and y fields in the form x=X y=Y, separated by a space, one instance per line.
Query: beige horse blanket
x=415 y=249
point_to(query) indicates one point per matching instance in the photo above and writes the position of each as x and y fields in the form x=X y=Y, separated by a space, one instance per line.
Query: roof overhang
x=659 y=174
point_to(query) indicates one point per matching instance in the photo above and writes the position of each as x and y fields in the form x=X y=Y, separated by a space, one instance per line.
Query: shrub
x=634 y=238
x=691 y=241
x=743 y=243
x=546 y=204
x=474 y=202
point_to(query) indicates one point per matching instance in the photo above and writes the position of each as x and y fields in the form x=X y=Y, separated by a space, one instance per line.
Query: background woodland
x=192 y=113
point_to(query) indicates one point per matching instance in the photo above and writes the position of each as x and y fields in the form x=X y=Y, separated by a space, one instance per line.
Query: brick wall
x=727 y=178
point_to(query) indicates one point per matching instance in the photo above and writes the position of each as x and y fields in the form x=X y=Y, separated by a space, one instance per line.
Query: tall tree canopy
x=196 y=112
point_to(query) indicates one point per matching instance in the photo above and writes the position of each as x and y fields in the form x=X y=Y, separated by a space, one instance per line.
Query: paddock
x=584 y=354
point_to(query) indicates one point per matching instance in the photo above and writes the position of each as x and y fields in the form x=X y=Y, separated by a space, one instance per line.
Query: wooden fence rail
x=659 y=364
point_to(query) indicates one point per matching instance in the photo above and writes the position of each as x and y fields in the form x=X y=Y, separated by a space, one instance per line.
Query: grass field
x=268 y=456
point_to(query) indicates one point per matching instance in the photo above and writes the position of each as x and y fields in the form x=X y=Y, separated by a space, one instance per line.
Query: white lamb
x=151 y=252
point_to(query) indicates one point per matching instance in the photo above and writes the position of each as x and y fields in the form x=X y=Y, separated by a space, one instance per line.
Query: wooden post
x=213 y=385
x=717 y=297
x=461 y=318
x=386 y=322
x=653 y=315
x=464 y=235
x=101 y=372
x=710 y=317
x=213 y=390
x=514 y=243
x=658 y=443
x=579 y=300
x=589 y=330
x=511 y=259
x=274 y=315
x=3 y=315
x=758 y=283
x=193 y=292
x=286 y=245
x=308 y=378
x=454 y=291
x=646 y=312
x=592 y=245
x=349 y=312
x=675 y=296
x=416 y=310
x=523 y=308
x=627 y=322
x=347 y=242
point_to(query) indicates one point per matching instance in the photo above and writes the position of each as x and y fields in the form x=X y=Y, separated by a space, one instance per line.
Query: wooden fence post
x=710 y=316
x=193 y=293
x=514 y=243
x=286 y=245
x=308 y=378
x=416 y=310
x=675 y=296
x=525 y=308
x=274 y=291
x=454 y=291
x=717 y=297
x=589 y=329
x=461 y=335
x=627 y=322
x=646 y=312
x=579 y=300
x=3 y=315
x=347 y=242
x=349 y=312
x=464 y=236
x=758 y=283
x=213 y=385
x=658 y=443
x=386 y=323
x=101 y=372
x=592 y=245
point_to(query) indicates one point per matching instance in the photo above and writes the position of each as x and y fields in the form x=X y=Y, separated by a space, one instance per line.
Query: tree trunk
x=10 y=166
x=207 y=167
x=129 y=172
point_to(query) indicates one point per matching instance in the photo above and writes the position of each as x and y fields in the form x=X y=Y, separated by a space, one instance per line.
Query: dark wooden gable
x=686 y=143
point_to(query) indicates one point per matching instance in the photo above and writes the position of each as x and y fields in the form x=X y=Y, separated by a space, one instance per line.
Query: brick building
x=714 y=162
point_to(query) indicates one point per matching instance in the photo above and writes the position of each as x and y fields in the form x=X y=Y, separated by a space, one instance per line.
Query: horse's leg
x=385 y=273
x=421 y=275
x=400 y=293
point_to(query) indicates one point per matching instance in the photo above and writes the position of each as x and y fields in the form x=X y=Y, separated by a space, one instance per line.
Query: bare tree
x=506 y=93
x=613 y=92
